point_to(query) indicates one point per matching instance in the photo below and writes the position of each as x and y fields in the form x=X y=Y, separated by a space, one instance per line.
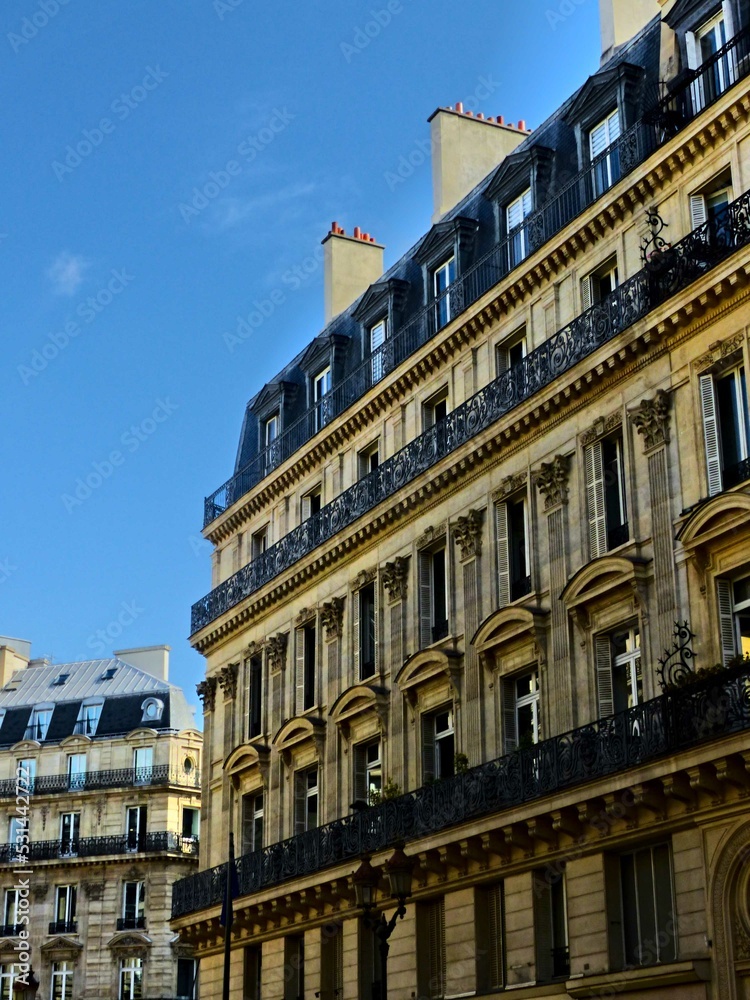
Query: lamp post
x=399 y=869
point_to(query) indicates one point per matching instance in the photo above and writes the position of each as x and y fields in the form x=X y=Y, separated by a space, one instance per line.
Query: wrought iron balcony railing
x=161 y=842
x=10 y=930
x=690 y=95
x=667 y=273
x=63 y=927
x=131 y=923
x=48 y=784
x=677 y=720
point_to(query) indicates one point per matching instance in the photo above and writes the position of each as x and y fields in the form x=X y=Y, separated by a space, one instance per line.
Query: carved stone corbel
x=651 y=419
x=276 y=650
x=332 y=617
x=395 y=577
x=552 y=481
x=228 y=681
x=362 y=578
x=509 y=485
x=467 y=533
x=207 y=694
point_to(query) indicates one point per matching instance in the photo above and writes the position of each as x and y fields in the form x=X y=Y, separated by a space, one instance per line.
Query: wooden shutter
x=495 y=937
x=299 y=649
x=428 y=747
x=436 y=931
x=306 y=508
x=425 y=599
x=693 y=50
x=726 y=620
x=300 y=801
x=594 y=471
x=598 y=140
x=376 y=623
x=510 y=728
x=603 y=660
x=543 y=927
x=356 y=635
x=587 y=297
x=360 y=774
x=503 y=555
x=698 y=211
x=711 y=434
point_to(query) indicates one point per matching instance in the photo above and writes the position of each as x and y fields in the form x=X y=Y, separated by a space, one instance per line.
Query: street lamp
x=399 y=869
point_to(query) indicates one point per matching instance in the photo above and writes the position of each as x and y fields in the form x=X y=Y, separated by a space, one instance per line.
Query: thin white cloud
x=232 y=212
x=67 y=273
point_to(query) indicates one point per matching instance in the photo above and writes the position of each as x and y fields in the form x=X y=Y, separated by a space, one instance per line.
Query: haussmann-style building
x=481 y=578
x=100 y=795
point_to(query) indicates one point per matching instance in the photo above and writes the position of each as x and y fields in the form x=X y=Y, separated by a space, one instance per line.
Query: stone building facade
x=482 y=575
x=100 y=794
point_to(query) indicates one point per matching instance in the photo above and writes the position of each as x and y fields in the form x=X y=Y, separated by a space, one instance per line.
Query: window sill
x=655 y=976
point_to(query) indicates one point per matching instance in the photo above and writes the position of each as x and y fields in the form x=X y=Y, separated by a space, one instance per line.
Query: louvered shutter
x=693 y=50
x=728 y=15
x=428 y=748
x=543 y=927
x=425 y=599
x=376 y=622
x=360 y=774
x=514 y=214
x=300 y=801
x=613 y=127
x=698 y=211
x=510 y=727
x=711 y=434
x=603 y=658
x=587 y=297
x=306 y=509
x=526 y=203
x=598 y=140
x=503 y=554
x=299 y=649
x=377 y=336
x=437 y=948
x=726 y=620
x=495 y=942
x=502 y=362
x=594 y=472
x=356 y=640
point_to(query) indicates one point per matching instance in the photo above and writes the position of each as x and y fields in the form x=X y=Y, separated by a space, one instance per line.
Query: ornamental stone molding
x=509 y=485
x=552 y=481
x=602 y=426
x=305 y=615
x=207 y=694
x=718 y=352
x=276 y=649
x=395 y=576
x=332 y=617
x=362 y=578
x=431 y=535
x=255 y=648
x=467 y=533
x=651 y=419
x=228 y=681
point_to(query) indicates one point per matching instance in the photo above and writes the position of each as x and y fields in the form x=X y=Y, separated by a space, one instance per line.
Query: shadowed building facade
x=447 y=570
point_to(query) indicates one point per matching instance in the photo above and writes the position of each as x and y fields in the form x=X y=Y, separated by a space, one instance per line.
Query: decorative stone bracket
x=332 y=617
x=395 y=576
x=228 y=681
x=467 y=533
x=207 y=694
x=651 y=419
x=552 y=481
x=276 y=650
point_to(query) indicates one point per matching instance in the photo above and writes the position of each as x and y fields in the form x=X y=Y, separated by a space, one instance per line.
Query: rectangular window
x=26 y=773
x=88 y=719
x=271 y=431
x=254 y=667
x=306 y=652
x=489 y=908
x=703 y=46
x=726 y=429
x=143 y=765
x=364 y=625
x=733 y=598
x=131 y=979
x=331 y=962
x=438 y=745
x=511 y=352
x=135 y=828
x=321 y=398
x=310 y=504
x=259 y=543
x=521 y=715
x=8 y=975
x=66 y=897
x=368 y=772
x=551 y=927
x=518 y=240
x=646 y=908
x=187 y=974
x=619 y=673
x=76 y=770
x=10 y=913
x=133 y=906
x=70 y=826
x=431 y=972
x=378 y=361
x=604 y=469
x=605 y=168
x=595 y=287
x=191 y=823
x=38 y=724
x=435 y=409
x=251 y=986
x=368 y=459
x=306 y=800
x=433 y=597
x=294 y=967
x=62 y=981
x=442 y=279
x=252 y=823
x=513 y=568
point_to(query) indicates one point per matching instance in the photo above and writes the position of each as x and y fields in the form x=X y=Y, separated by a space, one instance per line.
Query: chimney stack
x=465 y=148
x=621 y=20
x=351 y=264
x=152 y=660
x=14 y=655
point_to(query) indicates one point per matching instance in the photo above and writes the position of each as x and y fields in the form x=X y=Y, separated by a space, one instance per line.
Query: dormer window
x=378 y=337
x=153 y=709
x=702 y=47
x=271 y=430
x=39 y=723
x=442 y=278
x=515 y=213
x=321 y=390
x=88 y=718
x=606 y=169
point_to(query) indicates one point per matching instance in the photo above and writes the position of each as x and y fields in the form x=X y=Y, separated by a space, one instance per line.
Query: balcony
x=674 y=270
x=10 y=930
x=127 y=777
x=63 y=927
x=707 y=710
x=131 y=923
x=161 y=842
x=695 y=91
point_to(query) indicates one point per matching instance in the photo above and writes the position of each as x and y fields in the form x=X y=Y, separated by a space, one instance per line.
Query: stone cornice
x=625 y=199
x=639 y=345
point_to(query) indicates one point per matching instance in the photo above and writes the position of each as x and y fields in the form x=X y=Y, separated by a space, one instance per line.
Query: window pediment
x=246 y=758
x=297 y=731
x=358 y=701
x=596 y=581
x=688 y=14
x=76 y=743
x=446 y=237
x=129 y=944
x=327 y=349
x=61 y=949
x=384 y=298
x=30 y=746
x=272 y=397
x=430 y=665
x=616 y=85
x=517 y=633
x=525 y=168
x=725 y=514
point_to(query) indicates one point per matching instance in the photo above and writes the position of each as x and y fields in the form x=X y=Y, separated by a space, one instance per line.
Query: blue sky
x=167 y=164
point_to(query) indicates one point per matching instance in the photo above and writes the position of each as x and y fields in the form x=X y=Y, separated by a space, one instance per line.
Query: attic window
x=108 y=674
x=152 y=708
x=88 y=718
x=60 y=680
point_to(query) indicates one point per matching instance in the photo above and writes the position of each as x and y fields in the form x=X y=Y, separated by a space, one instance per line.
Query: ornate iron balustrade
x=63 y=927
x=669 y=723
x=694 y=92
x=49 y=784
x=160 y=842
x=10 y=930
x=131 y=923
x=665 y=275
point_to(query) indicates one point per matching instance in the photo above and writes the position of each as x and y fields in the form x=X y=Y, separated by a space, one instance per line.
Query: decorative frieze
x=651 y=419
x=601 y=427
x=552 y=481
x=207 y=694
x=509 y=485
x=467 y=533
x=305 y=615
x=431 y=535
x=228 y=681
x=332 y=617
x=395 y=577
x=276 y=651
x=718 y=351
x=362 y=578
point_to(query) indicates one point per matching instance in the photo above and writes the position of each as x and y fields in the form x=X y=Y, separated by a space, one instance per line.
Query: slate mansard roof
x=121 y=687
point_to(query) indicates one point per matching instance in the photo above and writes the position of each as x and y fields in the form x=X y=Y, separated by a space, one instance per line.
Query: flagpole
x=229 y=916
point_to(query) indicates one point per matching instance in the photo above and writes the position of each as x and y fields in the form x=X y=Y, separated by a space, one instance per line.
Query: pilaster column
x=467 y=534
